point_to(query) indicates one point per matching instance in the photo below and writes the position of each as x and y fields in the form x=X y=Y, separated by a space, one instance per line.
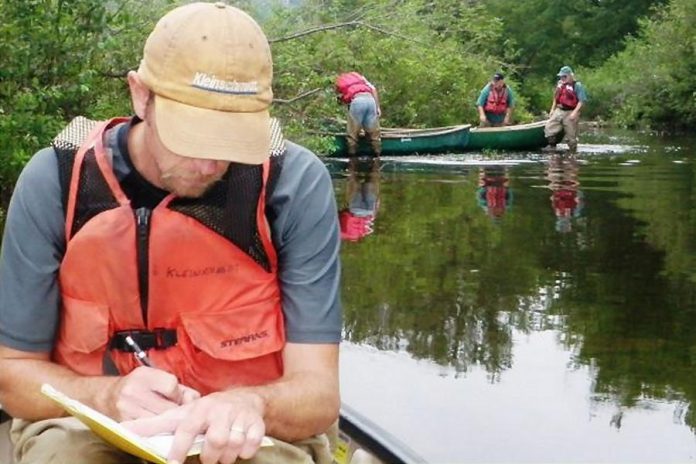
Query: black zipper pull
x=142 y=225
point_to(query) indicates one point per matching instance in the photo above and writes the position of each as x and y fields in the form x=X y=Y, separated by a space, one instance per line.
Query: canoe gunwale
x=528 y=136
x=514 y=128
x=448 y=139
x=397 y=132
x=401 y=142
x=375 y=439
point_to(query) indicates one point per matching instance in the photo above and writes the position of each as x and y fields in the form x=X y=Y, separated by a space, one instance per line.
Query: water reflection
x=540 y=412
x=494 y=195
x=361 y=204
x=566 y=196
x=583 y=342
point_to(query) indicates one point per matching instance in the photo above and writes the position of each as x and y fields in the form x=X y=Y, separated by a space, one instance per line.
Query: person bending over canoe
x=193 y=227
x=354 y=90
x=495 y=103
x=564 y=115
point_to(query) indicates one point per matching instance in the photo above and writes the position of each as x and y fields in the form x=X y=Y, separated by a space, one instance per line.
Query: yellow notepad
x=154 y=449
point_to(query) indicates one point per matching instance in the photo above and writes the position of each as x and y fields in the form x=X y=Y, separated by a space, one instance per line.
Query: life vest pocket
x=238 y=333
x=84 y=325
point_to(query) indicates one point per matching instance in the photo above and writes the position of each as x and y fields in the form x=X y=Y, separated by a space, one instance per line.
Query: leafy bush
x=62 y=59
x=427 y=59
x=653 y=81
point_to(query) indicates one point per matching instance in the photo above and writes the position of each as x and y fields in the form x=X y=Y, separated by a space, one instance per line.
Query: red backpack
x=350 y=84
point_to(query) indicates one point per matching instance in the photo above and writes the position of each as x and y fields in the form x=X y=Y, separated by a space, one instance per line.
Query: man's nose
x=208 y=167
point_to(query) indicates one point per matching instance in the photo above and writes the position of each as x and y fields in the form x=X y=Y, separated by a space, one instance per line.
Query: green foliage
x=62 y=59
x=544 y=34
x=653 y=81
x=427 y=59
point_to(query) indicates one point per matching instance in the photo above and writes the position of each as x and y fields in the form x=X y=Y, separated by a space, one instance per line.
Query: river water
x=526 y=307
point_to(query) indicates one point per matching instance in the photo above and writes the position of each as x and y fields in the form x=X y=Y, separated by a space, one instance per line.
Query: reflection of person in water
x=362 y=199
x=566 y=197
x=494 y=194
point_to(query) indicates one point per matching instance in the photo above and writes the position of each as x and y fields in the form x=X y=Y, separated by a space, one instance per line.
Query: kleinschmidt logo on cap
x=210 y=69
x=212 y=83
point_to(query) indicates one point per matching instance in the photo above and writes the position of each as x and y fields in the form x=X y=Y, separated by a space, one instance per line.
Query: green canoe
x=519 y=137
x=396 y=142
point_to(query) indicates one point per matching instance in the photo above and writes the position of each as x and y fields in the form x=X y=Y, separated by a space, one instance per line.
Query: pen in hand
x=185 y=394
x=138 y=352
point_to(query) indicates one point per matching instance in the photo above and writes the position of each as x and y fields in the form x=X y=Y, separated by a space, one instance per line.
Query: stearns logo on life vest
x=244 y=339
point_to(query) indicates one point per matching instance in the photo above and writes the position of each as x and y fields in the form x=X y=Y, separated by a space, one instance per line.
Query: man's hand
x=232 y=422
x=146 y=392
x=573 y=116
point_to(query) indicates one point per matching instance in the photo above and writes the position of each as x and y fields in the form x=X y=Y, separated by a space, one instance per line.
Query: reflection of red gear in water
x=493 y=193
x=564 y=202
x=496 y=200
x=353 y=228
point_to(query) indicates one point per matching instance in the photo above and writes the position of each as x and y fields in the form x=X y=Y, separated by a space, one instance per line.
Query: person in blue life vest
x=564 y=115
x=364 y=112
x=195 y=228
x=496 y=102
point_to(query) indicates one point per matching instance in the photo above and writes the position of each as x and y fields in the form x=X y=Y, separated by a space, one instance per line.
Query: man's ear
x=140 y=94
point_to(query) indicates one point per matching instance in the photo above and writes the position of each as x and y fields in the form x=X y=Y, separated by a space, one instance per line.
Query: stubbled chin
x=190 y=193
x=190 y=190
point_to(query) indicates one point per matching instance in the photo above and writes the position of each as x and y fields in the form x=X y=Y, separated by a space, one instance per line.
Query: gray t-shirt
x=304 y=230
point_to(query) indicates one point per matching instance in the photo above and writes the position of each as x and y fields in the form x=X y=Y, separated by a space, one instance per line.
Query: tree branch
x=298 y=97
x=329 y=27
x=314 y=30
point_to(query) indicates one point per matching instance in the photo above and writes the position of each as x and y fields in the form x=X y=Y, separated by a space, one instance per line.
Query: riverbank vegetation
x=429 y=60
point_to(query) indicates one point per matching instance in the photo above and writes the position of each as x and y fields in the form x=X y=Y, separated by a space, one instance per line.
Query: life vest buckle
x=157 y=339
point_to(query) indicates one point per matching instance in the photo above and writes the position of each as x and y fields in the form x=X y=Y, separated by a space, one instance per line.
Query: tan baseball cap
x=210 y=68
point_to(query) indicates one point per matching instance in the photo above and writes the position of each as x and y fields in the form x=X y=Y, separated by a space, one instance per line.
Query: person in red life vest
x=364 y=112
x=194 y=228
x=566 y=196
x=495 y=102
x=362 y=200
x=564 y=115
x=494 y=194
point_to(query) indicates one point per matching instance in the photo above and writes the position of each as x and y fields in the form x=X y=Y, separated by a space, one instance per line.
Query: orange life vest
x=224 y=307
x=565 y=96
x=497 y=100
x=350 y=84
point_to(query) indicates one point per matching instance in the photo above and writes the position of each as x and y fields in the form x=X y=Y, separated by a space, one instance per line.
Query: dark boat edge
x=374 y=439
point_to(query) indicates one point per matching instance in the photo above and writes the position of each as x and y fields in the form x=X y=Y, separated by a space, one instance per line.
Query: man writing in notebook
x=196 y=230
